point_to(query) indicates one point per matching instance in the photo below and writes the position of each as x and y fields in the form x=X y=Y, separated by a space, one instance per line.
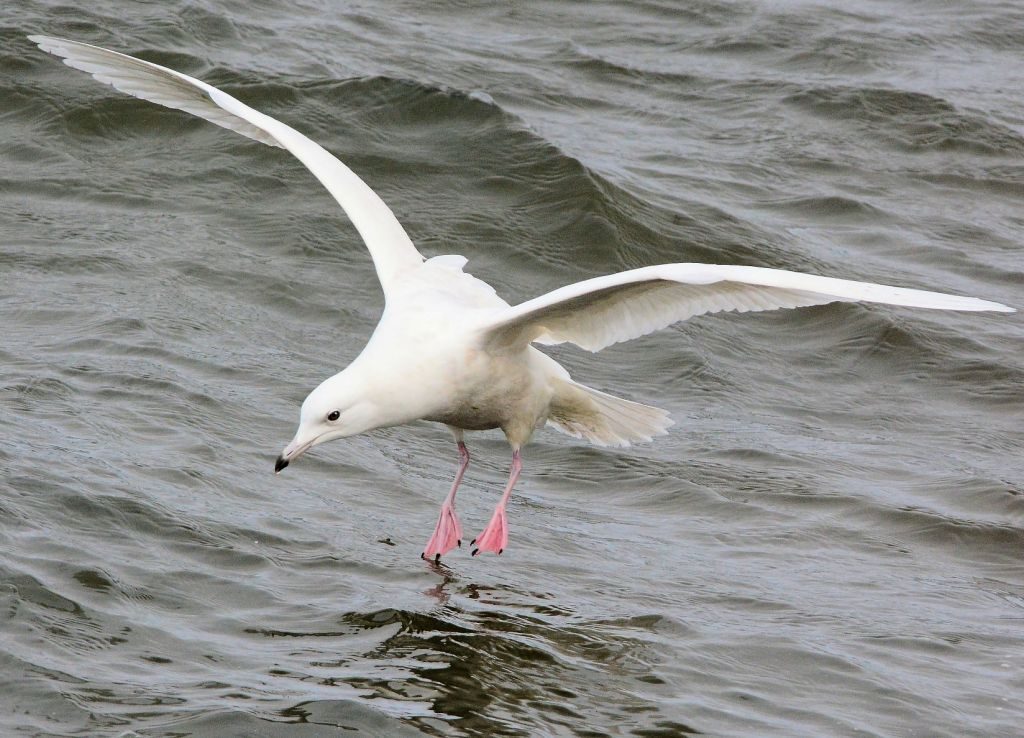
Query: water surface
x=829 y=542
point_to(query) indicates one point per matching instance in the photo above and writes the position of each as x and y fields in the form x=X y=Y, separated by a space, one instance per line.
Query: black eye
x=333 y=415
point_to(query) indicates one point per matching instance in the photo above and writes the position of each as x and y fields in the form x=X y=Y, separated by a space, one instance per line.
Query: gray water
x=830 y=542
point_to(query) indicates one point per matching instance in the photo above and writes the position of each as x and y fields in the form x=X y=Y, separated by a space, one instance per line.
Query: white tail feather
x=604 y=420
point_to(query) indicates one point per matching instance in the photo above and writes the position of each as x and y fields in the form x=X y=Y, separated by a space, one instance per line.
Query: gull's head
x=338 y=408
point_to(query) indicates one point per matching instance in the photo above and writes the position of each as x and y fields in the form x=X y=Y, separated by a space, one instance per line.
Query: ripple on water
x=826 y=543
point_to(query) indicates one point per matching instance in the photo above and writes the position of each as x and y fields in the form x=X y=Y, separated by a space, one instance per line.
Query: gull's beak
x=292 y=451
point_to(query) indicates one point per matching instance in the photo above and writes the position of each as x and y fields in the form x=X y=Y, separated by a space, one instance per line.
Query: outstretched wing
x=599 y=312
x=389 y=245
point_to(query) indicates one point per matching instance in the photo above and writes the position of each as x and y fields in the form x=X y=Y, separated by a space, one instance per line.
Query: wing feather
x=387 y=241
x=599 y=312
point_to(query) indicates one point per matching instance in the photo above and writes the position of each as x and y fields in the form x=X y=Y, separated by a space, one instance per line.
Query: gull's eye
x=333 y=415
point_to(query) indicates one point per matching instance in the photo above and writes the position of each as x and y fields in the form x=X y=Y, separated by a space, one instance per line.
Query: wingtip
x=989 y=306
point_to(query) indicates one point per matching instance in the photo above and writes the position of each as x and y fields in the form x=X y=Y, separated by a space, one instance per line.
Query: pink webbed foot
x=495 y=535
x=447 y=534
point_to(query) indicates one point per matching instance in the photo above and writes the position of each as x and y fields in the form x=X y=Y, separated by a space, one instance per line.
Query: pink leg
x=495 y=535
x=448 y=532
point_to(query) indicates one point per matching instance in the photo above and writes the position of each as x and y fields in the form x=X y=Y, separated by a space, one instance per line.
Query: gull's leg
x=495 y=535
x=448 y=532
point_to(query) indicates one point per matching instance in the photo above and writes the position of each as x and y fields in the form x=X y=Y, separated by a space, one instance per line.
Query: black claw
x=460 y=543
x=423 y=556
x=499 y=551
x=472 y=542
x=437 y=558
x=475 y=552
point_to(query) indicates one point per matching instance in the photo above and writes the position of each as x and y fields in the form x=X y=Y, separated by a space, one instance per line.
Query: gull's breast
x=487 y=391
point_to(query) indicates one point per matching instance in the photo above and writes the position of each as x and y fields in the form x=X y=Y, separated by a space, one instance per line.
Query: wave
x=910 y=121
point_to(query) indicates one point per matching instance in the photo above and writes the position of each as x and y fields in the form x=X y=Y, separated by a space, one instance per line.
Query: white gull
x=448 y=349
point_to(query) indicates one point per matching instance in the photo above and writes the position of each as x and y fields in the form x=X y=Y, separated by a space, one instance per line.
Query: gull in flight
x=449 y=350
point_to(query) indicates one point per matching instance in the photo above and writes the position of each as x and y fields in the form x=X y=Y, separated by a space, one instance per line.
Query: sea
x=828 y=542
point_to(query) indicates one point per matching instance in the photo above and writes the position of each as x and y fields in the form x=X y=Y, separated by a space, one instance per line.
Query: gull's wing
x=389 y=245
x=599 y=312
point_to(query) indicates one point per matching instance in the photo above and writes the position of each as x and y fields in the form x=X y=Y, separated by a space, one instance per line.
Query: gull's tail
x=582 y=412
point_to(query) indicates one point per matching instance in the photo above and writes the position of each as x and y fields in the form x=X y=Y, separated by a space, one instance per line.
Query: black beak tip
x=280 y=464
